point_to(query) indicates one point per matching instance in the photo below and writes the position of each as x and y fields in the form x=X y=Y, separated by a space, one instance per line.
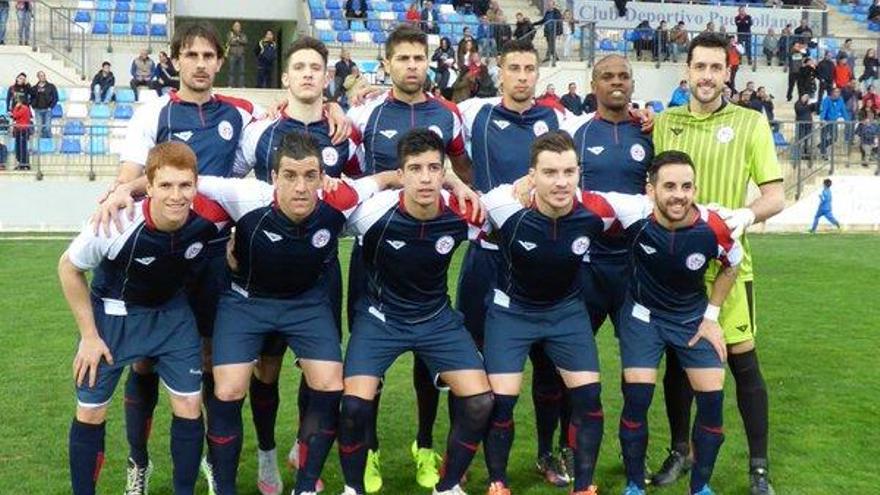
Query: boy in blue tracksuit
x=824 y=209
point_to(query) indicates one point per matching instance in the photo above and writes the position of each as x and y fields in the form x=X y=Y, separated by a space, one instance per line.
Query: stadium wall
x=277 y=10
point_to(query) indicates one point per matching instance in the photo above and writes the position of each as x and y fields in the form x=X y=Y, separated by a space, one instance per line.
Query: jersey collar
x=696 y=215
x=284 y=115
x=402 y=206
x=174 y=97
x=392 y=99
x=148 y=217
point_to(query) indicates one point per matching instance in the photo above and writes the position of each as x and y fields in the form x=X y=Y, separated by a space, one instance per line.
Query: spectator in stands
x=868 y=132
x=831 y=111
x=343 y=67
x=804 y=33
x=463 y=6
x=267 y=56
x=4 y=15
x=236 y=42
x=868 y=108
x=481 y=7
x=795 y=62
x=644 y=38
x=786 y=39
x=44 y=96
x=743 y=23
x=25 y=11
x=803 y=114
x=165 y=78
x=681 y=95
x=727 y=93
x=103 y=84
x=354 y=82
x=549 y=98
x=429 y=16
x=572 y=101
x=332 y=90
x=142 y=70
x=552 y=22
x=771 y=45
x=444 y=66
x=413 y=16
x=871 y=97
x=734 y=56
x=661 y=43
x=621 y=7
x=874 y=12
x=486 y=38
x=21 y=130
x=590 y=104
x=734 y=96
x=806 y=78
x=466 y=47
x=494 y=71
x=568 y=33
x=710 y=27
x=21 y=89
x=484 y=86
x=745 y=99
x=852 y=97
x=847 y=51
x=678 y=40
x=502 y=30
x=763 y=102
x=871 y=65
x=4 y=131
x=524 y=28
x=842 y=72
x=356 y=9
x=825 y=75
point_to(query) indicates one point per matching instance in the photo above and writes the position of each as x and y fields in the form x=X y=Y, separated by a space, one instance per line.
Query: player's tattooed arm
x=709 y=328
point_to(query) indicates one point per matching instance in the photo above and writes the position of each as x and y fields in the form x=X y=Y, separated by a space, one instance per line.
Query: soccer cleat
x=373 y=473
x=591 y=490
x=455 y=490
x=427 y=474
x=759 y=482
x=566 y=462
x=704 y=491
x=349 y=491
x=138 y=478
x=497 y=488
x=552 y=469
x=208 y=473
x=633 y=489
x=674 y=467
x=268 y=478
x=293 y=463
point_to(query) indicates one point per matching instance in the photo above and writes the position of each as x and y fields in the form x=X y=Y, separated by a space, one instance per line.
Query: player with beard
x=730 y=146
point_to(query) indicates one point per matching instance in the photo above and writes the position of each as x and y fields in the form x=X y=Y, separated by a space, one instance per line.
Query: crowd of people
x=28 y=112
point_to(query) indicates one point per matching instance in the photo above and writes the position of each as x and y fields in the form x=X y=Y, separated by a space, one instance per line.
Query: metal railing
x=56 y=32
x=110 y=37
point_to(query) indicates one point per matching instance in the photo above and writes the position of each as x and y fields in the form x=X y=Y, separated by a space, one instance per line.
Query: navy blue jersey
x=614 y=157
x=383 y=120
x=669 y=265
x=261 y=140
x=213 y=130
x=406 y=258
x=500 y=139
x=278 y=258
x=141 y=265
x=543 y=254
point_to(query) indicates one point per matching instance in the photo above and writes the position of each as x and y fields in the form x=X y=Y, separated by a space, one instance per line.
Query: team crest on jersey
x=436 y=130
x=225 y=130
x=540 y=128
x=580 y=245
x=724 y=134
x=695 y=261
x=193 y=250
x=502 y=124
x=444 y=244
x=330 y=156
x=320 y=238
x=637 y=152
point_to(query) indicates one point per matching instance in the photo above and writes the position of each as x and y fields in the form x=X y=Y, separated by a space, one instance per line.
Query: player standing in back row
x=730 y=147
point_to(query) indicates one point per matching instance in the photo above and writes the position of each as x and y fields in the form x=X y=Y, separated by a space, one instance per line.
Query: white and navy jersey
x=542 y=254
x=406 y=258
x=614 y=157
x=500 y=139
x=383 y=120
x=261 y=139
x=669 y=265
x=143 y=266
x=277 y=257
x=213 y=130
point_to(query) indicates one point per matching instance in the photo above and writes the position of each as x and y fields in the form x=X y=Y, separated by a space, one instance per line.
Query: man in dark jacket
x=102 y=84
x=44 y=96
x=825 y=74
x=590 y=104
x=429 y=17
x=267 y=54
x=21 y=88
x=803 y=114
x=806 y=78
x=343 y=69
x=552 y=22
x=523 y=28
x=572 y=101
x=743 y=23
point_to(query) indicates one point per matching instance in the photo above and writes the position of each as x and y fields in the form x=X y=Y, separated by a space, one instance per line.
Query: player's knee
x=91 y=415
x=228 y=392
x=741 y=347
x=187 y=406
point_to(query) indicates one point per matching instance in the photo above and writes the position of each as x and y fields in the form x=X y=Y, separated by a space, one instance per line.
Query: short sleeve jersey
x=730 y=148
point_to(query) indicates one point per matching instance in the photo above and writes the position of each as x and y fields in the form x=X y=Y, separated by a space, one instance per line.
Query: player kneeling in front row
x=537 y=299
x=408 y=240
x=285 y=241
x=137 y=309
x=667 y=307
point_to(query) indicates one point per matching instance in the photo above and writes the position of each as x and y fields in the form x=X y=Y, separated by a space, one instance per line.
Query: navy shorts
x=476 y=281
x=644 y=337
x=166 y=335
x=377 y=340
x=305 y=323
x=209 y=280
x=603 y=287
x=563 y=330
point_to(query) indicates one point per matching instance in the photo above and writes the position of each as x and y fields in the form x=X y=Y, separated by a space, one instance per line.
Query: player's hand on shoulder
x=739 y=220
x=338 y=124
x=714 y=334
x=330 y=184
x=111 y=207
x=522 y=190
x=365 y=94
x=644 y=116
x=274 y=111
x=88 y=356
x=469 y=200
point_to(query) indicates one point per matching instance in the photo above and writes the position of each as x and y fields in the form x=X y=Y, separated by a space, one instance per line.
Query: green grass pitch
x=817 y=302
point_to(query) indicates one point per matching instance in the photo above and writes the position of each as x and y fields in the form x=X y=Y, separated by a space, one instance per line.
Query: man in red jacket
x=842 y=73
x=21 y=116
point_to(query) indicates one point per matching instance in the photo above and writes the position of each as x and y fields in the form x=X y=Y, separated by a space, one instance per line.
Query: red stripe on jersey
x=148 y=218
x=456 y=146
x=209 y=209
x=722 y=234
x=598 y=205
x=465 y=214
x=555 y=104
x=343 y=198
x=238 y=103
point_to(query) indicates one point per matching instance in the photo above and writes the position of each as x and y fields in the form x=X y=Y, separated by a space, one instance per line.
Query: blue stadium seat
x=340 y=26
x=100 y=111
x=336 y=14
x=99 y=129
x=46 y=146
x=119 y=29
x=160 y=8
x=372 y=14
x=779 y=139
x=124 y=95
x=57 y=111
x=344 y=37
x=71 y=146
x=104 y=5
x=123 y=112
x=102 y=16
x=319 y=14
x=158 y=30
x=327 y=36
x=401 y=16
x=141 y=17
x=62 y=93
x=861 y=9
x=380 y=37
x=398 y=7
x=374 y=26
x=357 y=26
x=100 y=28
x=82 y=16
x=874 y=26
x=120 y=18
x=606 y=45
x=74 y=128
x=138 y=29
x=123 y=6
x=97 y=146
x=845 y=9
x=382 y=6
x=140 y=6
x=316 y=4
x=333 y=4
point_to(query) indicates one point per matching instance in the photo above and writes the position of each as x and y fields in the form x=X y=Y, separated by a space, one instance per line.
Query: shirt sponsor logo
x=596 y=150
x=580 y=245
x=695 y=261
x=724 y=134
x=444 y=244
x=329 y=156
x=193 y=250
x=502 y=124
x=647 y=249
x=146 y=260
x=388 y=133
x=637 y=152
x=676 y=130
x=528 y=246
x=225 y=130
x=540 y=128
x=272 y=236
x=183 y=136
x=321 y=238
x=194 y=371
x=396 y=244
x=436 y=130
